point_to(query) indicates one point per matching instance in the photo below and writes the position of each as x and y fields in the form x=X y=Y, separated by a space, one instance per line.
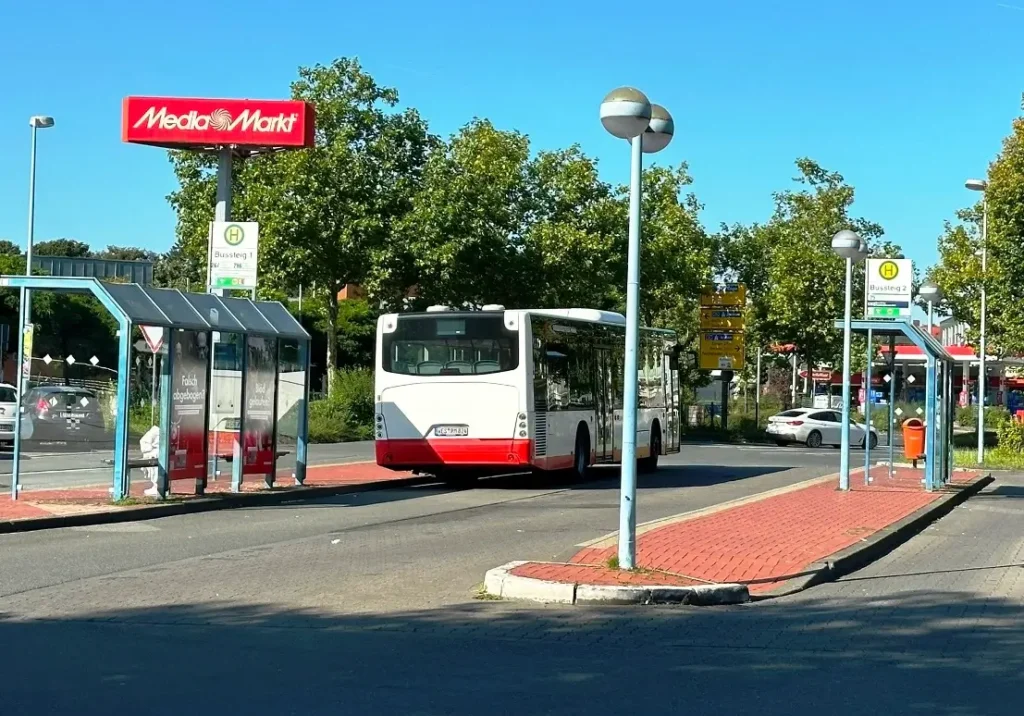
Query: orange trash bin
x=913 y=439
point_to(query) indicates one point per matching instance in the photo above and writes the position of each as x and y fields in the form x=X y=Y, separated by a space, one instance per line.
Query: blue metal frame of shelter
x=939 y=403
x=135 y=305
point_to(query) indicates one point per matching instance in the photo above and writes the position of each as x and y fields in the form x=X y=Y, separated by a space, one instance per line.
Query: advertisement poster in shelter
x=260 y=394
x=188 y=405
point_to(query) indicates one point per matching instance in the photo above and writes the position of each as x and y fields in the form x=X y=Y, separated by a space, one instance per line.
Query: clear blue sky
x=906 y=98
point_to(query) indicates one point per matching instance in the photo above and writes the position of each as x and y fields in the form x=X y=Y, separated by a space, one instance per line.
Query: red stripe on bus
x=453 y=451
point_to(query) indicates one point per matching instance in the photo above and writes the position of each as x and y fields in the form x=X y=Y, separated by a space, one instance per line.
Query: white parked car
x=815 y=427
x=8 y=408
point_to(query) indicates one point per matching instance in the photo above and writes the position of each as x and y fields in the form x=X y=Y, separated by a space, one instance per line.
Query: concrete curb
x=500 y=582
x=879 y=544
x=220 y=501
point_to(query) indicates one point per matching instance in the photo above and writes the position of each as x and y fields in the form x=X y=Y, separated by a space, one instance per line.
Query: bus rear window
x=450 y=345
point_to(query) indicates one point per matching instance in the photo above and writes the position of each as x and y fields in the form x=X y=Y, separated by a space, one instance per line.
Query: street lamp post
x=982 y=186
x=931 y=294
x=851 y=247
x=627 y=114
x=36 y=122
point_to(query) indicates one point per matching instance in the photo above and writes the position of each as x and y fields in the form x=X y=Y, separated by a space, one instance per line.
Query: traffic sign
x=730 y=294
x=154 y=336
x=713 y=319
x=721 y=350
x=889 y=288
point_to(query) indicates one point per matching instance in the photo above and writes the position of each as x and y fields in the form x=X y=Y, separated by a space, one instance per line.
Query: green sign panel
x=885 y=312
x=229 y=282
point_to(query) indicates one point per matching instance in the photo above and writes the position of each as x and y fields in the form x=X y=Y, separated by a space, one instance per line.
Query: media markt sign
x=889 y=288
x=234 y=247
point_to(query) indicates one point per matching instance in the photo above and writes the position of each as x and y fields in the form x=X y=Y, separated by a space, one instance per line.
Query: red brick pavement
x=43 y=503
x=765 y=542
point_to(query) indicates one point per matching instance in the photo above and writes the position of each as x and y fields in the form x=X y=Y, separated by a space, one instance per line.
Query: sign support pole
x=757 y=394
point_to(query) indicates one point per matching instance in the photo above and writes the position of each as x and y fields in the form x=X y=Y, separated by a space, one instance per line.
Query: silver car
x=8 y=408
x=815 y=427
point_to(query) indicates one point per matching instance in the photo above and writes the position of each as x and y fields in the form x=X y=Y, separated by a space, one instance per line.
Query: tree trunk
x=332 y=338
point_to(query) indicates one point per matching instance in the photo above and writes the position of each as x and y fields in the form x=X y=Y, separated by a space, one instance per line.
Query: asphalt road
x=363 y=604
x=48 y=470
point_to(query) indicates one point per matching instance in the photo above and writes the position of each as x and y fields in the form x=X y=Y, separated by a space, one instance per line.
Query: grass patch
x=128 y=502
x=996 y=459
x=481 y=594
x=612 y=563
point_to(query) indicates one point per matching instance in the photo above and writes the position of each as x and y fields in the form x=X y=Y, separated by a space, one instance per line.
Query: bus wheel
x=650 y=463
x=581 y=455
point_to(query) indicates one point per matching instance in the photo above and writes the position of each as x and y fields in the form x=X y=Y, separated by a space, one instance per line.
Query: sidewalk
x=776 y=542
x=38 y=508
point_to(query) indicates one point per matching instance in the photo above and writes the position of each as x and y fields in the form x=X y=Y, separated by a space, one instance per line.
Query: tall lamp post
x=982 y=186
x=36 y=122
x=627 y=114
x=847 y=245
x=931 y=294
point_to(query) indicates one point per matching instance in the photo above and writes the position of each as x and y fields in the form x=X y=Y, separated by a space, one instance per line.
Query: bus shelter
x=940 y=403
x=257 y=346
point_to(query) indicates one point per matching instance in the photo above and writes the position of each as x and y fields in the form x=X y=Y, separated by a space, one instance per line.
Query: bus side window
x=558 y=361
x=581 y=376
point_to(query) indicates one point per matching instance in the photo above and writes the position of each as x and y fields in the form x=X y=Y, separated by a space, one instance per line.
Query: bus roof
x=585 y=315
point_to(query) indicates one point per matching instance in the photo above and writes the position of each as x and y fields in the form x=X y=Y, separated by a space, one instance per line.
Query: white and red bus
x=464 y=393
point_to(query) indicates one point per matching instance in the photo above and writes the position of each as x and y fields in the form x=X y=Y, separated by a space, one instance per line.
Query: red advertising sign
x=188 y=406
x=205 y=123
x=258 y=439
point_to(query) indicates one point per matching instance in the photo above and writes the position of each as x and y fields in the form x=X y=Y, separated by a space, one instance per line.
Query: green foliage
x=1010 y=435
x=62 y=247
x=797 y=281
x=347 y=413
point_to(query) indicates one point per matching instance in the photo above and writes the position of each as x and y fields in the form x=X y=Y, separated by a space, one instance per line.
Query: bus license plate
x=451 y=431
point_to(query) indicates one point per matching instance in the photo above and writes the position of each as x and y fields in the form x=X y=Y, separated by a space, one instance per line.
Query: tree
x=62 y=247
x=328 y=213
x=127 y=253
x=959 y=271
x=797 y=283
x=468 y=220
x=9 y=248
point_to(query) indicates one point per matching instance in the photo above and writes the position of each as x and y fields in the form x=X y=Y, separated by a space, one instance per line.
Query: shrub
x=347 y=413
x=1011 y=436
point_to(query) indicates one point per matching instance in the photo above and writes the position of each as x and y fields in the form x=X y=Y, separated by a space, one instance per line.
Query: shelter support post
x=122 y=481
x=948 y=418
x=24 y=362
x=302 y=429
x=930 y=432
x=166 y=393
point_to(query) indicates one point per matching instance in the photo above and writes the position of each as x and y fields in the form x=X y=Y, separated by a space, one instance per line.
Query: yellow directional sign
x=721 y=351
x=731 y=294
x=717 y=319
